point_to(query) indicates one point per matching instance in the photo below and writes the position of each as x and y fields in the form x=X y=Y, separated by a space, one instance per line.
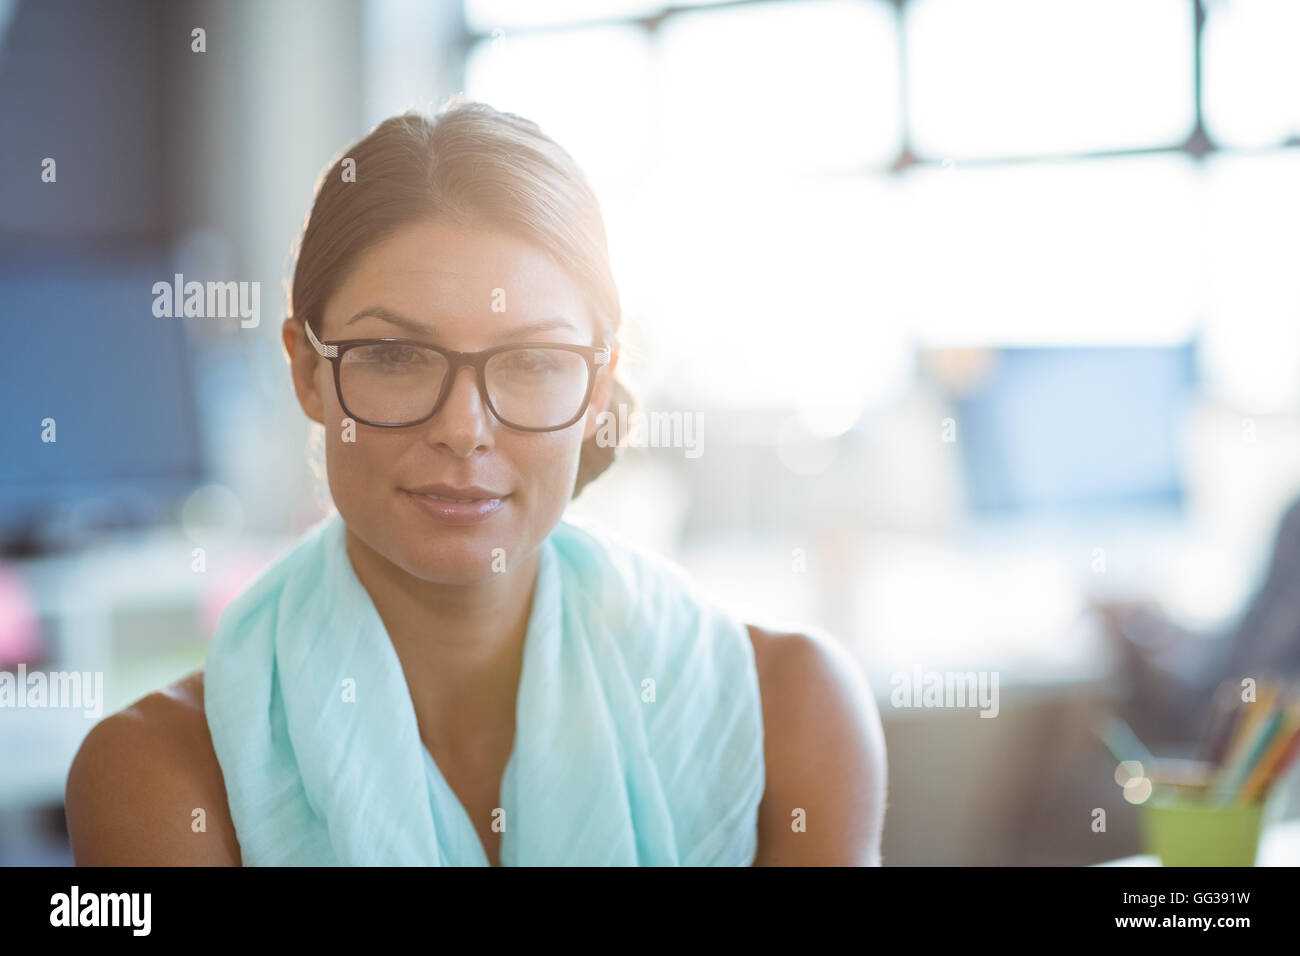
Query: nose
x=463 y=424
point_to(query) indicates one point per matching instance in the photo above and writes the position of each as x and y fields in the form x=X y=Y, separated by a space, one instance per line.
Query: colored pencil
x=1245 y=736
x=1265 y=772
x=1252 y=750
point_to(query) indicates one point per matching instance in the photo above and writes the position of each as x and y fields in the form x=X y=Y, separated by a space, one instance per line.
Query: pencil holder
x=1183 y=832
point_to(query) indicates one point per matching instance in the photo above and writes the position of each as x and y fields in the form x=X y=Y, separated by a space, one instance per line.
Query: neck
x=460 y=646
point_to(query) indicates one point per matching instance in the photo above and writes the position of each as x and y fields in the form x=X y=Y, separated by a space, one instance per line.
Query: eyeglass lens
x=394 y=383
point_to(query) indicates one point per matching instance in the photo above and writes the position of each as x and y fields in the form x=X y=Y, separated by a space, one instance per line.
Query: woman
x=446 y=670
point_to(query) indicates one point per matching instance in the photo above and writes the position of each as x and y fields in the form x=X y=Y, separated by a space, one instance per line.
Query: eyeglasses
x=393 y=383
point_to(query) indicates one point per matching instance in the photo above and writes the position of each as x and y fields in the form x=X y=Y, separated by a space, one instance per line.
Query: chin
x=463 y=554
x=440 y=554
x=454 y=559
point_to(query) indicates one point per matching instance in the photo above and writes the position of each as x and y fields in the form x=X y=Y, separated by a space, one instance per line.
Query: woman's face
x=464 y=291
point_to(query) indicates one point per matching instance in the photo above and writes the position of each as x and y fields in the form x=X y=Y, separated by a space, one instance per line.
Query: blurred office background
x=990 y=309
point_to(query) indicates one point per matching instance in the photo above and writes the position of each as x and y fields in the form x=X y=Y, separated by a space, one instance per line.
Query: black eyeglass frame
x=596 y=356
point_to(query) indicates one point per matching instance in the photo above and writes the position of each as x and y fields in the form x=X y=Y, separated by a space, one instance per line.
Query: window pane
x=990 y=78
x=1251 y=51
x=487 y=15
x=588 y=90
x=1253 y=246
x=1055 y=253
x=808 y=86
x=772 y=291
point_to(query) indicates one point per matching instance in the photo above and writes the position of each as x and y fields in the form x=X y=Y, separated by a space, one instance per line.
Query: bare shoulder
x=138 y=781
x=824 y=753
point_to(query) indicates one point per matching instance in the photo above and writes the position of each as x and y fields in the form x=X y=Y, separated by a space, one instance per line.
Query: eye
x=399 y=353
x=532 y=361
x=389 y=353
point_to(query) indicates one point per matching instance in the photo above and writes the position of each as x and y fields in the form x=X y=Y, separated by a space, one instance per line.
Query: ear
x=600 y=395
x=304 y=368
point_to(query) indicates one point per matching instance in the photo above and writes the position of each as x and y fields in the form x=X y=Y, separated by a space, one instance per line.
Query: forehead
x=453 y=278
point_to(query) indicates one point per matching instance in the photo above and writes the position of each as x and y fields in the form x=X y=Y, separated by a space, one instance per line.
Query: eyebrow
x=419 y=328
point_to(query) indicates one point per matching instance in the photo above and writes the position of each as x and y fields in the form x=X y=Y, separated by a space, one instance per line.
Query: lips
x=453 y=493
x=454 y=505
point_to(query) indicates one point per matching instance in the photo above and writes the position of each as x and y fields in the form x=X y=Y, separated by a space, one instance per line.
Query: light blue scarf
x=638 y=739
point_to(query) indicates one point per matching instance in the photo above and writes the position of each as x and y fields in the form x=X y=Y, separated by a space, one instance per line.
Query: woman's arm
x=824 y=751
x=137 y=781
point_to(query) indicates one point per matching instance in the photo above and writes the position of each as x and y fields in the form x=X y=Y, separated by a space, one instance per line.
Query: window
x=588 y=89
x=1088 y=251
x=1253 y=247
x=1252 y=71
x=812 y=188
x=809 y=87
x=1005 y=78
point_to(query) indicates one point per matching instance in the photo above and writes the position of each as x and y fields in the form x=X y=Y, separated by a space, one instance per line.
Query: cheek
x=547 y=464
x=355 y=453
x=359 y=460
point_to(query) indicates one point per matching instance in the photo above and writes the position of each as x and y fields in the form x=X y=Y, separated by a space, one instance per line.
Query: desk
x=1279 y=846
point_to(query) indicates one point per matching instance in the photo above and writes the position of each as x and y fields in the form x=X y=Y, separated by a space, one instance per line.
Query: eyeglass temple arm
x=329 y=351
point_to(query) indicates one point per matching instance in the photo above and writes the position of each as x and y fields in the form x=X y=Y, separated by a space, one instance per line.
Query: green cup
x=1182 y=832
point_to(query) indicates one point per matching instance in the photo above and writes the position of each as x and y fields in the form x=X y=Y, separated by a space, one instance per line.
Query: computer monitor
x=1071 y=429
x=82 y=349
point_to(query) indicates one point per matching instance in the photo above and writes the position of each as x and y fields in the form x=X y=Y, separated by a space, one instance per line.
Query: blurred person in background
x=1172 y=672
